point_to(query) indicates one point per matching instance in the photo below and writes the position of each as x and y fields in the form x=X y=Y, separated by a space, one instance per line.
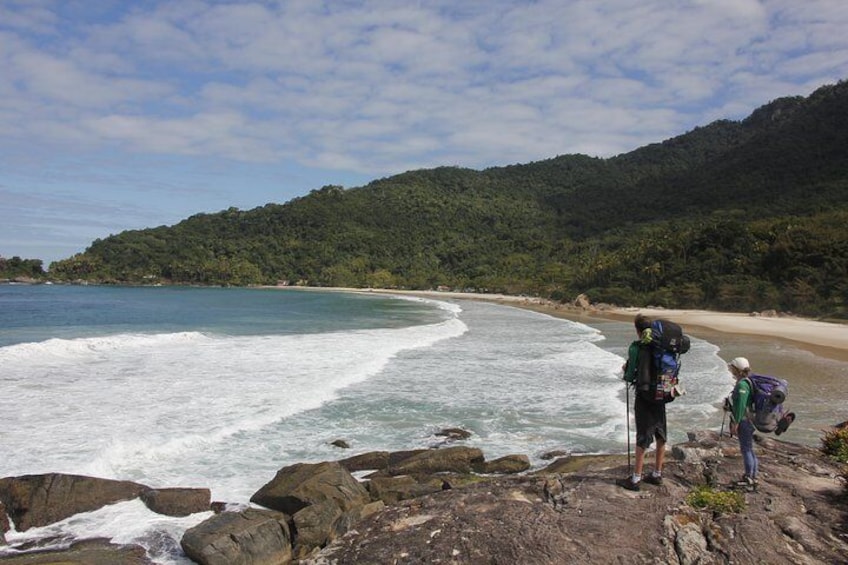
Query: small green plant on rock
x=718 y=502
x=835 y=444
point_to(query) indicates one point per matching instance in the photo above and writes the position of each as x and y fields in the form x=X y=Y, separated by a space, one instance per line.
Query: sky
x=131 y=114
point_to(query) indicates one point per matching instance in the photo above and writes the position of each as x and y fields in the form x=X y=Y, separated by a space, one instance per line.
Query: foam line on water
x=125 y=401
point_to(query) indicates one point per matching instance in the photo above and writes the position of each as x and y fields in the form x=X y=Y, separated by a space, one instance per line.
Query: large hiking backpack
x=667 y=343
x=768 y=394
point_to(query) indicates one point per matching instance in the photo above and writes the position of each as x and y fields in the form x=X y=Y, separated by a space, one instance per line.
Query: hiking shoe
x=784 y=423
x=628 y=483
x=746 y=483
x=653 y=479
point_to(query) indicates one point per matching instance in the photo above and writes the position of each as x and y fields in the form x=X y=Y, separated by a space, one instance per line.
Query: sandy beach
x=821 y=338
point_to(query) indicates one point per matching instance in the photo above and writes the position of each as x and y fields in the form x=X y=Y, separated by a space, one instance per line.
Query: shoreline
x=823 y=339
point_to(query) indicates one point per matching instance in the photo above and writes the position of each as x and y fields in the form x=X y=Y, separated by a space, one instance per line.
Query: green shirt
x=741 y=399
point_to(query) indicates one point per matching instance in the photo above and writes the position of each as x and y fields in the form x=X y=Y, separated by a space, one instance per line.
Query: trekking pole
x=721 y=433
x=629 y=467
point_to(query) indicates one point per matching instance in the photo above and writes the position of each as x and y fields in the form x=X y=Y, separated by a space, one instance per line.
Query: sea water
x=220 y=388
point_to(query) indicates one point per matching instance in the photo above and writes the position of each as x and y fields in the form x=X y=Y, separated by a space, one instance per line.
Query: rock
x=397 y=457
x=300 y=485
x=4 y=523
x=454 y=433
x=340 y=443
x=39 y=500
x=504 y=465
x=581 y=516
x=254 y=536
x=581 y=463
x=693 y=454
x=376 y=460
x=315 y=526
x=704 y=438
x=451 y=459
x=85 y=552
x=178 y=501
x=391 y=490
x=582 y=302
x=548 y=455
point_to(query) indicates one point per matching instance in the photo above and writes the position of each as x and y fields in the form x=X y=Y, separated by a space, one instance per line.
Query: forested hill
x=732 y=215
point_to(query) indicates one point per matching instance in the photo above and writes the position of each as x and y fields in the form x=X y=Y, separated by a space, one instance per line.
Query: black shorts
x=650 y=421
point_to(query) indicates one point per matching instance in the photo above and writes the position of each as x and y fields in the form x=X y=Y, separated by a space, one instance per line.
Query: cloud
x=210 y=78
x=375 y=87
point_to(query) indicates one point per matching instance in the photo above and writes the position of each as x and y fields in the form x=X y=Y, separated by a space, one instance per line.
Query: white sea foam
x=113 y=405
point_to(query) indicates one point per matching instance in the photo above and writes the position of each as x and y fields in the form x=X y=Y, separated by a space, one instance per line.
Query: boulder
x=548 y=455
x=452 y=459
x=375 y=460
x=297 y=486
x=85 y=552
x=505 y=464
x=315 y=526
x=178 y=501
x=391 y=490
x=694 y=454
x=39 y=500
x=255 y=536
x=4 y=523
x=454 y=433
x=396 y=457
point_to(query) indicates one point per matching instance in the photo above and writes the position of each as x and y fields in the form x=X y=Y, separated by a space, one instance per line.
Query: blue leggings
x=746 y=446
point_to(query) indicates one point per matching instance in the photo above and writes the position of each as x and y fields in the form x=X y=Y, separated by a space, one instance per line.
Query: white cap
x=740 y=363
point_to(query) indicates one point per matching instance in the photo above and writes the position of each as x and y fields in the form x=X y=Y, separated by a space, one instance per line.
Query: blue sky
x=123 y=114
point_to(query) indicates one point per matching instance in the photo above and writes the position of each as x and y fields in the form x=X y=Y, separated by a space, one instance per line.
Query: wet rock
x=340 y=443
x=504 y=465
x=451 y=459
x=373 y=460
x=85 y=552
x=178 y=501
x=297 y=486
x=548 y=455
x=39 y=500
x=453 y=434
x=251 y=536
x=4 y=523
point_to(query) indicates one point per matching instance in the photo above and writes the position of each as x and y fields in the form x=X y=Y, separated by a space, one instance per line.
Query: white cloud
x=377 y=87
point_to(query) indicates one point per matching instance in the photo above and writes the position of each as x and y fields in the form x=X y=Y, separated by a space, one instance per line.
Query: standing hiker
x=740 y=424
x=639 y=371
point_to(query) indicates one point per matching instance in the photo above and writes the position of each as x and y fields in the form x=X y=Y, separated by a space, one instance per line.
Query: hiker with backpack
x=740 y=426
x=651 y=368
x=756 y=403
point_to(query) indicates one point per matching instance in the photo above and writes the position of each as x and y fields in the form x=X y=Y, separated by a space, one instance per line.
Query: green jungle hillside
x=735 y=215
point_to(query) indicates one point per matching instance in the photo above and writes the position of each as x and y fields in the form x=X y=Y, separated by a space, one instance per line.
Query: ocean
x=220 y=388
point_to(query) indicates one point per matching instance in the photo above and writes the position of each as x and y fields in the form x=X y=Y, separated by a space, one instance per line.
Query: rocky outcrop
x=297 y=486
x=254 y=536
x=508 y=464
x=371 y=461
x=86 y=552
x=38 y=500
x=177 y=501
x=4 y=523
x=573 y=512
x=450 y=459
x=323 y=499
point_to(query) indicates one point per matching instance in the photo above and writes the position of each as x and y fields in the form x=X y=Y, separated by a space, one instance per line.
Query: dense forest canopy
x=735 y=215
